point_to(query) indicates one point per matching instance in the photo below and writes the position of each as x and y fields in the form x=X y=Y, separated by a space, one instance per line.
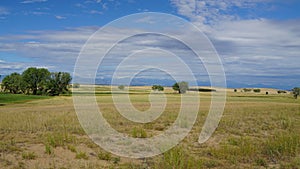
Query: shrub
x=247 y=90
x=116 y=160
x=121 y=87
x=139 y=133
x=104 y=156
x=296 y=92
x=48 y=149
x=281 y=91
x=29 y=156
x=81 y=155
x=72 y=148
x=256 y=90
x=202 y=90
x=158 y=88
x=181 y=87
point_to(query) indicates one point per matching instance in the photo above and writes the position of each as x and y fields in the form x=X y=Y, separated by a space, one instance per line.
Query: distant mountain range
x=170 y=82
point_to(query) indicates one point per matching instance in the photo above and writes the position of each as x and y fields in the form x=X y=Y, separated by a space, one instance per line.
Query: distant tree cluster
x=281 y=91
x=202 y=90
x=37 y=81
x=181 y=87
x=256 y=90
x=121 y=87
x=296 y=92
x=247 y=90
x=158 y=88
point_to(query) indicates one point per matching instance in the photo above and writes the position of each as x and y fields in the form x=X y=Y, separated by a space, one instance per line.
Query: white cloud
x=32 y=1
x=209 y=12
x=4 y=11
x=60 y=17
x=96 y=12
x=248 y=48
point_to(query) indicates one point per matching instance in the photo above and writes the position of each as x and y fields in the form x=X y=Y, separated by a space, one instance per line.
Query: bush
x=235 y=90
x=281 y=91
x=28 y=156
x=81 y=155
x=247 y=90
x=202 y=90
x=296 y=92
x=139 y=133
x=158 y=88
x=104 y=156
x=121 y=87
x=181 y=87
x=256 y=90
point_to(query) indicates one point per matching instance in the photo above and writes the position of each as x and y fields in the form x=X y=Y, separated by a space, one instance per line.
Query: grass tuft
x=104 y=156
x=81 y=155
x=29 y=155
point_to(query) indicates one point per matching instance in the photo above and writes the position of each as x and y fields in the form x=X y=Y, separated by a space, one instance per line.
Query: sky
x=258 y=41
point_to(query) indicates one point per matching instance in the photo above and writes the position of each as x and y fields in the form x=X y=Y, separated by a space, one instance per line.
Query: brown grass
x=256 y=130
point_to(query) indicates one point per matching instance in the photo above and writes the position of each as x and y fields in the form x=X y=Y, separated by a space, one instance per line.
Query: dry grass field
x=256 y=131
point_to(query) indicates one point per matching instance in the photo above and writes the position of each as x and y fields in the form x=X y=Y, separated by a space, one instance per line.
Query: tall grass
x=282 y=146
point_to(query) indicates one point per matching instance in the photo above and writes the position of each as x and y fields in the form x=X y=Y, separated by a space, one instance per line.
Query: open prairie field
x=256 y=131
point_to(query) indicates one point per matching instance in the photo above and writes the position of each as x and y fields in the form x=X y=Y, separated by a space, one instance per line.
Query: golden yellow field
x=256 y=131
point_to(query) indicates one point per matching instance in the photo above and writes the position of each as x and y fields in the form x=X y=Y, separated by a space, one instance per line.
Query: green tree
x=36 y=79
x=58 y=83
x=296 y=92
x=256 y=90
x=12 y=83
x=158 y=87
x=181 y=87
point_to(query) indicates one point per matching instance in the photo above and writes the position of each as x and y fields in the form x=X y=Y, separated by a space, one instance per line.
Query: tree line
x=37 y=81
x=180 y=87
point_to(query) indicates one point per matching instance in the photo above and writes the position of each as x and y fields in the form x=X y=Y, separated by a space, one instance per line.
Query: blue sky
x=258 y=40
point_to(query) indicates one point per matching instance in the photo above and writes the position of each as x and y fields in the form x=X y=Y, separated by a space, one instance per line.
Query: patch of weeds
x=48 y=149
x=104 y=156
x=159 y=127
x=9 y=147
x=179 y=159
x=116 y=160
x=239 y=149
x=282 y=145
x=211 y=164
x=29 y=156
x=5 y=162
x=59 y=139
x=81 y=155
x=232 y=141
x=21 y=165
x=286 y=122
x=139 y=133
x=135 y=133
x=72 y=148
x=261 y=162
x=148 y=126
x=55 y=140
x=91 y=144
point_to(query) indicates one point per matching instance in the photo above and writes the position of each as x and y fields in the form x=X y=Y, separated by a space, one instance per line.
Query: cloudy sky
x=258 y=41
